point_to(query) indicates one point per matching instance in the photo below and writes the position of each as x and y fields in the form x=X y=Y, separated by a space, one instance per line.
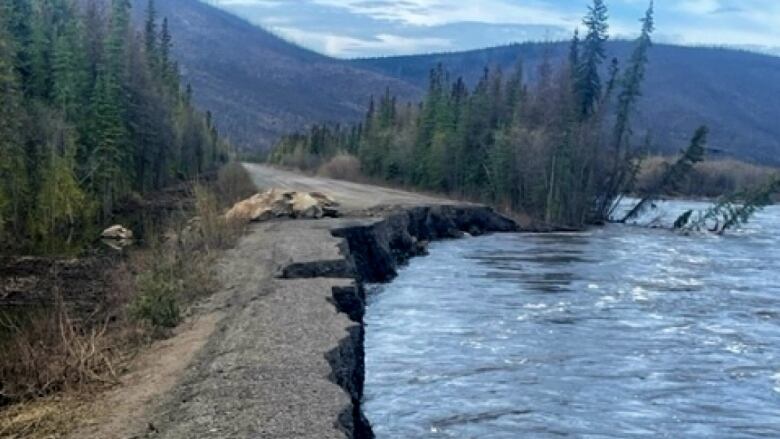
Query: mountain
x=257 y=85
x=733 y=92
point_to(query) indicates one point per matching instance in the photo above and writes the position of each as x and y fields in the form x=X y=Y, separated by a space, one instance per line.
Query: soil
x=121 y=413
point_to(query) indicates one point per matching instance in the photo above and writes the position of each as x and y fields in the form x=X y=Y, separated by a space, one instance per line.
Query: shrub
x=233 y=184
x=180 y=270
x=157 y=299
x=710 y=178
x=298 y=159
x=47 y=351
x=209 y=230
x=343 y=167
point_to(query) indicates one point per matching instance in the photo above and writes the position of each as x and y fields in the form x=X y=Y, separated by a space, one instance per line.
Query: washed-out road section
x=286 y=358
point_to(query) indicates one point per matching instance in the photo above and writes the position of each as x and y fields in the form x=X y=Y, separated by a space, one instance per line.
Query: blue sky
x=355 y=28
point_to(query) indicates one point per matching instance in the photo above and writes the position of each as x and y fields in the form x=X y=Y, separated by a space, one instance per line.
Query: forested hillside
x=91 y=111
x=259 y=86
x=731 y=91
x=548 y=148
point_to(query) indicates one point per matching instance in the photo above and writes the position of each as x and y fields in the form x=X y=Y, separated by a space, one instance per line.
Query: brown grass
x=51 y=352
x=46 y=418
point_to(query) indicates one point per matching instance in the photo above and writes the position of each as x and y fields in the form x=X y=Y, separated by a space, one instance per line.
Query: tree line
x=556 y=143
x=91 y=111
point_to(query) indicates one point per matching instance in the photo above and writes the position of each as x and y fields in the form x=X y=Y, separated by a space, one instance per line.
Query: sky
x=365 y=28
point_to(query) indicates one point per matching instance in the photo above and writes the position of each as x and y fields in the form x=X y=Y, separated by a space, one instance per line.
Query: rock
x=277 y=203
x=324 y=199
x=474 y=230
x=117 y=232
x=330 y=208
x=306 y=206
x=261 y=207
x=421 y=248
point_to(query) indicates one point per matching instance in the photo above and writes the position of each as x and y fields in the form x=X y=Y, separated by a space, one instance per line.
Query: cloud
x=345 y=46
x=258 y=3
x=349 y=28
x=698 y=7
x=439 y=12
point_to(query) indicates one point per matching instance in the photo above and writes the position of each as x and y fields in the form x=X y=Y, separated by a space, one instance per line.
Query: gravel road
x=352 y=196
x=267 y=370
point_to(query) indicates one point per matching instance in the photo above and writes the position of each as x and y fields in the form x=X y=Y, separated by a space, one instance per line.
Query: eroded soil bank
x=372 y=250
x=282 y=354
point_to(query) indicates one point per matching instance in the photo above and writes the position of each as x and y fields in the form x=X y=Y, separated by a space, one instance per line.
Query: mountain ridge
x=260 y=86
x=257 y=85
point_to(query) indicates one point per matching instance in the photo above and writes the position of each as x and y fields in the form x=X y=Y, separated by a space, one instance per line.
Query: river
x=616 y=332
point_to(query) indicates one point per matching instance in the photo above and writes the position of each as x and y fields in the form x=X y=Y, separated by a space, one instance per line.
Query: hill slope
x=257 y=85
x=733 y=92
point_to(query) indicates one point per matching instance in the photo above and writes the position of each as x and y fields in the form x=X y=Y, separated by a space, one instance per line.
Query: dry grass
x=46 y=418
x=51 y=352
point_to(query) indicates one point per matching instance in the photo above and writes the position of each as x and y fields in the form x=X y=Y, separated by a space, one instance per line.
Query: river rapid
x=616 y=332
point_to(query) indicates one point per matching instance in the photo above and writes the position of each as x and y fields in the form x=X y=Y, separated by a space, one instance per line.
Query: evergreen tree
x=674 y=174
x=39 y=51
x=150 y=33
x=167 y=66
x=574 y=54
x=632 y=80
x=13 y=182
x=593 y=55
x=630 y=92
x=87 y=116
x=70 y=73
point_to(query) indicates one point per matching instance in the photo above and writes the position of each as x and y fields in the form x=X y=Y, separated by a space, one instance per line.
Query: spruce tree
x=674 y=174
x=632 y=81
x=150 y=33
x=574 y=54
x=70 y=73
x=166 y=63
x=13 y=174
x=593 y=55
x=39 y=52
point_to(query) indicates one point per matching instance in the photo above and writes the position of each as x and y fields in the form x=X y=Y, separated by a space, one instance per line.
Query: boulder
x=278 y=203
x=306 y=206
x=117 y=232
x=330 y=208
